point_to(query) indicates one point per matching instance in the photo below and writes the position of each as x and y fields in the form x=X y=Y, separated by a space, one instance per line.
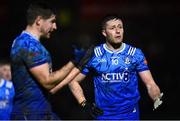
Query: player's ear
x=103 y=33
x=38 y=20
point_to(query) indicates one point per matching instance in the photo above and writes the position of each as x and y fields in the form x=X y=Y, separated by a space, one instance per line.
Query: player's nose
x=54 y=26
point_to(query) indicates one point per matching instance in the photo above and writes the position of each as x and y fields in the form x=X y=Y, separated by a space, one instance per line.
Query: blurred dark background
x=150 y=25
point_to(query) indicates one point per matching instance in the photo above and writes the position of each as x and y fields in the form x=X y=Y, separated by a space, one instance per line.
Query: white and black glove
x=158 y=102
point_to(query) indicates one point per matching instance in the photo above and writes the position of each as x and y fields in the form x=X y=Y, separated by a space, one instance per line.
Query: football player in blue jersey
x=6 y=90
x=116 y=66
x=32 y=73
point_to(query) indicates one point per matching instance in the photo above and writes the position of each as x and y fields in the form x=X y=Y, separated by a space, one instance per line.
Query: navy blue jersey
x=27 y=52
x=6 y=99
x=115 y=78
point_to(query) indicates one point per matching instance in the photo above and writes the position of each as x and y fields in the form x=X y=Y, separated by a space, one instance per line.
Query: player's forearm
x=153 y=91
x=62 y=73
x=74 y=72
x=57 y=76
x=152 y=88
x=77 y=91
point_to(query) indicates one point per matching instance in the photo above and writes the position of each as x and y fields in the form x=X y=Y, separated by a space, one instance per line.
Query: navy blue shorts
x=131 y=115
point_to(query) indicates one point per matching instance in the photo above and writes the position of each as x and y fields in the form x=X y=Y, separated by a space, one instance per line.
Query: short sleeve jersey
x=115 y=77
x=27 y=52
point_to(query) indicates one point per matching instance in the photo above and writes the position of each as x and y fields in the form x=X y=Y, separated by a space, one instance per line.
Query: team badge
x=127 y=60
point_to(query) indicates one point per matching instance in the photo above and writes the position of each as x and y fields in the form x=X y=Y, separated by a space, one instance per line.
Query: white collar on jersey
x=31 y=35
x=2 y=82
x=117 y=51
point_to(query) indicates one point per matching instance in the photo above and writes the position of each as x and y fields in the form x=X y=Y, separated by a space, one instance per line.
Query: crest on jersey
x=127 y=60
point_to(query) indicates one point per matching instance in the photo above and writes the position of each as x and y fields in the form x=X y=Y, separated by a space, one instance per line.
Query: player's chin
x=118 y=42
x=48 y=35
x=45 y=37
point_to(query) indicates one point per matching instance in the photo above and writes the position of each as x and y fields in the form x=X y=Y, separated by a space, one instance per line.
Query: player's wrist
x=83 y=103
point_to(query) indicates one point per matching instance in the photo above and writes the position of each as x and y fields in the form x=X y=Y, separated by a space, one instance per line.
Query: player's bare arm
x=74 y=72
x=76 y=88
x=77 y=91
x=153 y=89
x=47 y=79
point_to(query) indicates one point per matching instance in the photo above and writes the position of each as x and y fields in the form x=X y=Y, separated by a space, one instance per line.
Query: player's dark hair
x=39 y=8
x=4 y=62
x=108 y=18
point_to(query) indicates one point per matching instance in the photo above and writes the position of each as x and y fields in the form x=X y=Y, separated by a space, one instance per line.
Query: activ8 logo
x=116 y=77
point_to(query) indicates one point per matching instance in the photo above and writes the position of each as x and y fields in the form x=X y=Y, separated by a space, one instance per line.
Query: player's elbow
x=47 y=84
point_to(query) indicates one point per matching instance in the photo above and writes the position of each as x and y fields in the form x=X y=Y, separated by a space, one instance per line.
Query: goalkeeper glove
x=85 y=58
x=158 y=102
x=91 y=109
x=78 y=53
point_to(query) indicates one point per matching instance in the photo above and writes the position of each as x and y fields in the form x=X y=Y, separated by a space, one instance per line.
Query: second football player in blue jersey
x=116 y=66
